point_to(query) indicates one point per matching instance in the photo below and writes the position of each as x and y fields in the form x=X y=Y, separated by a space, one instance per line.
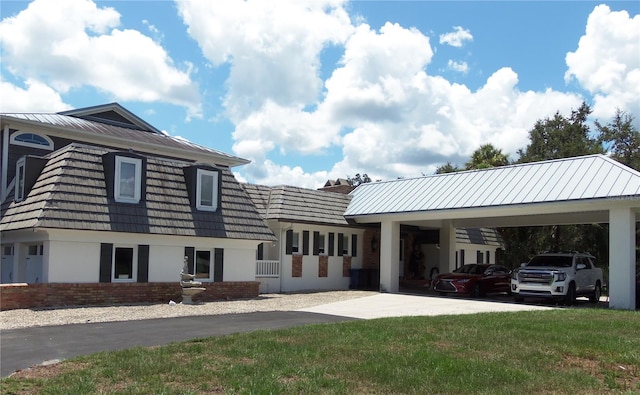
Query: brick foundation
x=29 y=296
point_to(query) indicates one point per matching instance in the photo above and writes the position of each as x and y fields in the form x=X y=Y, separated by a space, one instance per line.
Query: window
x=20 y=180
x=295 y=242
x=203 y=265
x=32 y=140
x=207 y=190
x=128 y=179
x=36 y=249
x=124 y=264
x=7 y=250
x=345 y=245
x=321 y=243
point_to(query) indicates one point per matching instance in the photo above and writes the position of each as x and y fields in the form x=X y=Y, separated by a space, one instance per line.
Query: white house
x=318 y=249
x=96 y=196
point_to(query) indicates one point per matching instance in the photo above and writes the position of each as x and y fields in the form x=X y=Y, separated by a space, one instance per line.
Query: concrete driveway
x=402 y=305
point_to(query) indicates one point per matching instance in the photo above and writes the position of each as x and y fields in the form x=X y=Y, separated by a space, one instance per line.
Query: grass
x=567 y=351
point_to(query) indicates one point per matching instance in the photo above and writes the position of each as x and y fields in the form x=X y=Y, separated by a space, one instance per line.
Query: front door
x=7 y=264
x=34 y=264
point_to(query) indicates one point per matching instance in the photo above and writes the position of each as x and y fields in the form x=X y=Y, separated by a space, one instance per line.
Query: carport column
x=447 y=247
x=389 y=256
x=622 y=258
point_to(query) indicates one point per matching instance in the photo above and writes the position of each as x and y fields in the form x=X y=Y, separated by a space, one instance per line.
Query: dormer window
x=20 y=180
x=203 y=186
x=127 y=180
x=207 y=190
x=32 y=140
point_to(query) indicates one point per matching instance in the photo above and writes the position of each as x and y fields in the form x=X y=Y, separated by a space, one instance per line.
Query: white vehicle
x=560 y=276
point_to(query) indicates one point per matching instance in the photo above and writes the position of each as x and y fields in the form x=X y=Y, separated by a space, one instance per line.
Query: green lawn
x=565 y=351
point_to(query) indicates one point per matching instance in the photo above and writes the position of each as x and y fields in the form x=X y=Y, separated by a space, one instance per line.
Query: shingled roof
x=294 y=204
x=70 y=193
x=79 y=125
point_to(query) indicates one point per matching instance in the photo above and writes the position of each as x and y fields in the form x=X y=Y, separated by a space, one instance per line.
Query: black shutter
x=218 y=264
x=143 y=263
x=331 y=243
x=354 y=245
x=479 y=256
x=260 y=251
x=190 y=253
x=106 y=250
x=340 y=244
x=316 y=243
x=305 y=242
x=289 y=248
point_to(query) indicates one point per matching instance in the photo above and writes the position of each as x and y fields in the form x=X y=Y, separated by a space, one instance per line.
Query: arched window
x=32 y=140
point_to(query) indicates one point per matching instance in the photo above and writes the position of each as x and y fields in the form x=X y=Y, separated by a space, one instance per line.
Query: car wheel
x=597 y=293
x=570 y=298
x=518 y=298
x=475 y=291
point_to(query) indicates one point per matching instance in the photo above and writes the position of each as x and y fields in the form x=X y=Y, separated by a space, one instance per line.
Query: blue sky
x=322 y=89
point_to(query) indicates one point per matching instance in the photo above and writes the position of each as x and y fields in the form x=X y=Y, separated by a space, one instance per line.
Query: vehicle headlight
x=463 y=280
x=514 y=275
x=561 y=276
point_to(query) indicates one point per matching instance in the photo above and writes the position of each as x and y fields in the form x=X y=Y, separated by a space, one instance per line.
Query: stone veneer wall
x=28 y=296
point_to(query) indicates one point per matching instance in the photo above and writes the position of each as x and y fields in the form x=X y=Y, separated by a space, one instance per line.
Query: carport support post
x=447 y=247
x=389 y=256
x=622 y=258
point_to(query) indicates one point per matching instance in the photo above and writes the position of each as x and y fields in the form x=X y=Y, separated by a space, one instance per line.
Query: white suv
x=560 y=276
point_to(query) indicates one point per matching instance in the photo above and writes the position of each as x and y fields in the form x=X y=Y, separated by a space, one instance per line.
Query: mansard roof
x=71 y=193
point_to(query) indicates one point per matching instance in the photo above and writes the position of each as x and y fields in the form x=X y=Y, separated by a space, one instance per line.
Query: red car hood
x=457 y=276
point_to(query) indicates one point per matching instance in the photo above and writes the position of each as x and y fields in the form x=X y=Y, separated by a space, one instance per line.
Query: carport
x=581 y=190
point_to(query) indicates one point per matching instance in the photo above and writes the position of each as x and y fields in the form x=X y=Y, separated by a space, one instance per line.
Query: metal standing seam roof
x=570 y=179
x=126 y=134
x=70 y=193
x=294 y=204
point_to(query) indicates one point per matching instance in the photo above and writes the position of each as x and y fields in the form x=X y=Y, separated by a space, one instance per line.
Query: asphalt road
x=26 y=347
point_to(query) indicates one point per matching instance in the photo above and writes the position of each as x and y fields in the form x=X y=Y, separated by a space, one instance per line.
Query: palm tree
x=487 y=156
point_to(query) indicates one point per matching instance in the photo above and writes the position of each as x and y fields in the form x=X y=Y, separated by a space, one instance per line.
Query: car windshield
x=551 y=260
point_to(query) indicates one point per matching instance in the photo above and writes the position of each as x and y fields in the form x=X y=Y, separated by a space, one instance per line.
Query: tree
x=622 y=139
x=358 y=179
x=556 y=138
x=561 y=137
x=487 y=156
x=447 y=168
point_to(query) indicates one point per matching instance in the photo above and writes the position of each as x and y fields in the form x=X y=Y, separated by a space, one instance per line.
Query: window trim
x=215 y=189
x=134 y=264
x=137 y=162
x=13 y=140
x=20 y=179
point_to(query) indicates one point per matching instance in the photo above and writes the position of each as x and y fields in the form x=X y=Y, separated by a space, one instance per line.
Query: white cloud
x=607 y=61
x=389 y=116
x=73 y=43
x=273 y=47
x=37 y=97
x=457 y=38
x=461 y=67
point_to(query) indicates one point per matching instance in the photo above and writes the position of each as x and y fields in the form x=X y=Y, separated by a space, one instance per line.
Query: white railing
x=267 y=268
